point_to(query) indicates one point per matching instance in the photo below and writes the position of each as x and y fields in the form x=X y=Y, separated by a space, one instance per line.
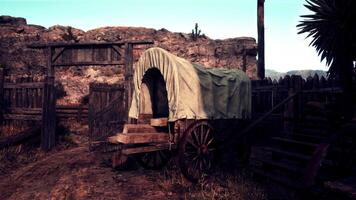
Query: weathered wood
x=106 y=111
x=128 y=75
x=22 y=117
x=2 y=105
x=28 y=111
x=19 y=137
x=48 y=134
x=159 y=122
x=261 y=40
x=86 y=44
x=58 y=54
x=85 y=63
x=138 y=128
x=33 y=85
x=146 y=149
x=138 y=138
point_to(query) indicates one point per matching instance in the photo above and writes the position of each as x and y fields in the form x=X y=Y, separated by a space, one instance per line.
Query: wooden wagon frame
x=153 y=137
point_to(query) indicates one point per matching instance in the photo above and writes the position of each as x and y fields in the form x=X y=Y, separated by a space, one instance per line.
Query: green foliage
x=332 y=27
x=196 y=32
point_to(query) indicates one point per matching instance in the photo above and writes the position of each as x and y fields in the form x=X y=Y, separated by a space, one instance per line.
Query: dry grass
x=221 y=185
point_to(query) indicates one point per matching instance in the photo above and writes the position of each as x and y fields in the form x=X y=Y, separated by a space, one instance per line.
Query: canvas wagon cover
x=195 y=92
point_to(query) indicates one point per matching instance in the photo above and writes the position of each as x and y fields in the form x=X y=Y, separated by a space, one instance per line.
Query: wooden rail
x=20 y=137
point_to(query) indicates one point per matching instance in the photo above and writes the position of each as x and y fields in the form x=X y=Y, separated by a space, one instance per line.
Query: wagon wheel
x=154 y=160
x=196 y=150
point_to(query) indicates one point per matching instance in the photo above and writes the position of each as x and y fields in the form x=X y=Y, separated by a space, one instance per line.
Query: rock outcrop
x=15 y=34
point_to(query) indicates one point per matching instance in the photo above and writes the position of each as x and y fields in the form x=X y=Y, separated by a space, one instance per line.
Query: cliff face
x=15 y=33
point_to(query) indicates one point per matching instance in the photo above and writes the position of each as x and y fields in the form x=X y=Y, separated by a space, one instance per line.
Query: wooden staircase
x=294 y=158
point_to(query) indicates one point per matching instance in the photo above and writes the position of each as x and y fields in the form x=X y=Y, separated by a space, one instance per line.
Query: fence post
x=128 y=77
x=48 y=133
x=293 y=109
x=1 y=93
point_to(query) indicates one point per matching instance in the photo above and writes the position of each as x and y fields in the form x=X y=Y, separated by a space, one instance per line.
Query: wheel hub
x=203 y=150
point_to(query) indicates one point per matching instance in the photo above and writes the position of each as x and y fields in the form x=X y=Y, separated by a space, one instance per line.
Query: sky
x=218 y=19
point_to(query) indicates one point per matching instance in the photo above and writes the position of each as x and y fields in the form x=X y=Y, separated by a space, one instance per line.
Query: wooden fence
x=107 y=113
x=21 y=107
x=267 y=93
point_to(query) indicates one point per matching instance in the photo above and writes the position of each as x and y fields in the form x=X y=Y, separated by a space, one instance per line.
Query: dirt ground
x=74 y=172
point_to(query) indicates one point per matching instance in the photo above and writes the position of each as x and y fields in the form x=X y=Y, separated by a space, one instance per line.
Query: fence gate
x=107 y=113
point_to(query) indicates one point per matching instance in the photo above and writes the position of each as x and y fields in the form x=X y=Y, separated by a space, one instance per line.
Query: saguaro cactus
x=195 y=32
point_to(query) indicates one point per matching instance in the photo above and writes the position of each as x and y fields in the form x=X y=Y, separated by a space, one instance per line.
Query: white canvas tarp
x=195 y=92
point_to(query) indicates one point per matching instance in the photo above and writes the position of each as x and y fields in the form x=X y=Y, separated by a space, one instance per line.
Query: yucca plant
x=332 y=27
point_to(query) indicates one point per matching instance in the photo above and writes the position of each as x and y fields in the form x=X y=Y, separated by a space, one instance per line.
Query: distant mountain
x=304 y=73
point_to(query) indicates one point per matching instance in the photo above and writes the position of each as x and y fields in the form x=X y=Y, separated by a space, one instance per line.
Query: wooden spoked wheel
x=154 y=160
x=197 y=150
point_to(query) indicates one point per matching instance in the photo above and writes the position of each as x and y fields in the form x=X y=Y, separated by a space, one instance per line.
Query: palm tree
x=332 y=27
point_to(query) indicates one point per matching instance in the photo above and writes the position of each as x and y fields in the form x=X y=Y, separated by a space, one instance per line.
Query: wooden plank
x=138 y=138
x=128 y=76
x=87 y=44
x=48 y=133
x=85 y=63
x=57 y=54
x=138 y=128
x=19 y=137
x=23 y=85
x=22 y=117
x=146 y=149
x=159 y=122
x=2 y=97
x=33 y=111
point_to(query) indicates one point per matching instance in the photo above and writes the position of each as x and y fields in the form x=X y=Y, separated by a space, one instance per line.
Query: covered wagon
x=184 y=109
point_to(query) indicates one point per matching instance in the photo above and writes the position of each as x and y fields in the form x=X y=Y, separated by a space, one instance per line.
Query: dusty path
x=75 y=174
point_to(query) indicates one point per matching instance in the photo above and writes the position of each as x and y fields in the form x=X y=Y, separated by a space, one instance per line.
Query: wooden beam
x=83 y=63
x=25 y=117
x=59 y=53
x=48 y=134
x=1 y=92
x=159 y=122
x=139 y=138
x=138 y=128
x=33 y=85
x=20 y=137
x=128 y=76
x=261 y=40
x=116 y=49
x=87 y=44
x=146 y=149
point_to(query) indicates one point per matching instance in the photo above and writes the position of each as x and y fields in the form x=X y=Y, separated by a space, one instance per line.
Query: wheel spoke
x=210 y=141
x=201 y=134
x=206 y=136
x=196 y=137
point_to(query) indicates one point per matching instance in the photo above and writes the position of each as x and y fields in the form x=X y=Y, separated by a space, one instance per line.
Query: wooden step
x=139 y=138
x=287 y=154
x=138 y=128
x=294 y=142
x=282 y=165
x=159 y=122
x=275 y=177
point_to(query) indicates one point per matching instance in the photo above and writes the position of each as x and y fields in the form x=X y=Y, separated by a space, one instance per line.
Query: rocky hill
x=15 y=34
x=304 y=73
